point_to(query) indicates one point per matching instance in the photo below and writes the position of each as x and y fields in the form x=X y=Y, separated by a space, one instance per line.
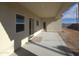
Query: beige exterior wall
x=39 y=27
x=53 y=25
x=9 y=39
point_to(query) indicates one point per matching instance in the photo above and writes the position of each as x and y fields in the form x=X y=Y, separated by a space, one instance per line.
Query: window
x=19 y=23
x=37 y=23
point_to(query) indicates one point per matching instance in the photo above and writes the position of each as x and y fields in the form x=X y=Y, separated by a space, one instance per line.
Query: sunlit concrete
x=46 y=44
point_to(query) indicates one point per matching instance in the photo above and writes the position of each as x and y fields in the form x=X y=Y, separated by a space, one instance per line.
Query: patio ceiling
x=46 y=9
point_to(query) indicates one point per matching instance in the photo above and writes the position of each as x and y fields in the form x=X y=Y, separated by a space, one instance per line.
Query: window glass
x=19 y=23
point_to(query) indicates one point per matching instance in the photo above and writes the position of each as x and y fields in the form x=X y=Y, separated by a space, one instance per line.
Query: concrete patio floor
x=44 y=44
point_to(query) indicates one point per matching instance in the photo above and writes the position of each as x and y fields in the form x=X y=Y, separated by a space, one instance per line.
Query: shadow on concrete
x=23 y=52
x=66 y=54
x=68 y=50
x=76 y=53
x=65 y=49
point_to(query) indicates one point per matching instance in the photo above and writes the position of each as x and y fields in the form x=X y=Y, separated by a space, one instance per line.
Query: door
x=31 y=26
x=44 y=26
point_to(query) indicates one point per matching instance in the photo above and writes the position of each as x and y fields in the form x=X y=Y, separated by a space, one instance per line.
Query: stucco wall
x=9 y=39
x=53 y=25
x=37 y=27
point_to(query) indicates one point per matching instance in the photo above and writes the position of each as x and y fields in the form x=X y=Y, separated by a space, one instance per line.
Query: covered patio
x=36 y=29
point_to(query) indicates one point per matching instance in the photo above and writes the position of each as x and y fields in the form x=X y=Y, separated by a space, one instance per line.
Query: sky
x=70 y=15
